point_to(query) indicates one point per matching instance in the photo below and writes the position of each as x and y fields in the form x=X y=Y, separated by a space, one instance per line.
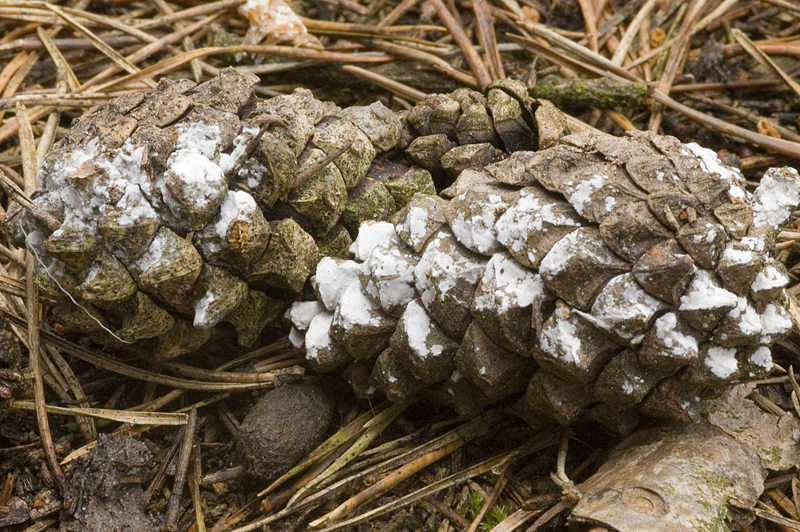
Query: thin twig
x=457 y=31
x=170 y=524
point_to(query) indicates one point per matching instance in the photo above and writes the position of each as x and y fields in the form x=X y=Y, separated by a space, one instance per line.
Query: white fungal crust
x=332 y=279
x=776 y=197
x=623 y=310
x=387 y=275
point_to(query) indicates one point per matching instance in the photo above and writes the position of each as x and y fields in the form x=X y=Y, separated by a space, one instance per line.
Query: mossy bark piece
x=321 y=198
x=673 y=479
x=181 y=339
x=586 y=93
x=446 y=278
x=571 y=347
x=496 y=371
x=424 y=346
x=360 y=325
x=579 y=265
x=665 y=271
x=107 y=282
x=142 y=319
x=252 y=314
x=290 y=257
x=369 y=200
x=355 y=161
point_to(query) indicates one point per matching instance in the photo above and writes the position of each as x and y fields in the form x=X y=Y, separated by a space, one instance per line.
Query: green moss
x=718 y=523
x=492 y=518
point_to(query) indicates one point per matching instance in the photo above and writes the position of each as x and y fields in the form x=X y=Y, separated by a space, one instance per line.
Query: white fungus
x=332 y=279
x=370 y=234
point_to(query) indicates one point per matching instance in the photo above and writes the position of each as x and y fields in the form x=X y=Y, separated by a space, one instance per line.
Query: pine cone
x=190 y=205
x=592 y=275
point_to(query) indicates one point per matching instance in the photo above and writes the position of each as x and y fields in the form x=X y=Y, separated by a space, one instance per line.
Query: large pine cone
x=190 y=205
x=591 y=275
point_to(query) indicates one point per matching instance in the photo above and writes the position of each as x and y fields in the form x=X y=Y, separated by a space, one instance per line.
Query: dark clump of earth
x=105 y=487
x=284 y=425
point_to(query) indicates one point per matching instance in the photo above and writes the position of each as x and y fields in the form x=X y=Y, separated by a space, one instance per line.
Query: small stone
x=284 y=425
